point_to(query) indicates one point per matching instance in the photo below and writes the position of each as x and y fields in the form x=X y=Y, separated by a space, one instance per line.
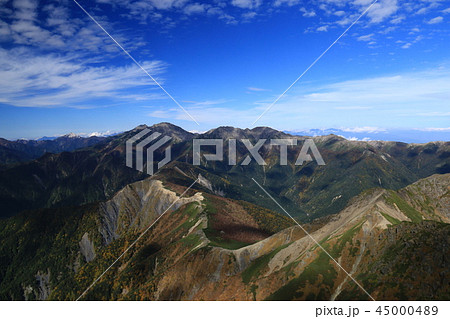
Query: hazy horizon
x=352 y=134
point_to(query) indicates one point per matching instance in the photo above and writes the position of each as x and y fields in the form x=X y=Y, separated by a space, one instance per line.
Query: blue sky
x=225 y=62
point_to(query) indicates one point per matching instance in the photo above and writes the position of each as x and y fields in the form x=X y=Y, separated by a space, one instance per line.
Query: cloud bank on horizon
x=225 y=62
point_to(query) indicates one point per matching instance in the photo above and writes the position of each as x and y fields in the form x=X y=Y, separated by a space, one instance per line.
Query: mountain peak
x=225 y=132
x=71 y=135
x=266 y=132
x=168 y=126
x=172 y=130
x=230 y=132
x=140 y=127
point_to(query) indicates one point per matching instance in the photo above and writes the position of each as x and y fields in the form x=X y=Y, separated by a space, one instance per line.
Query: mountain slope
x=213 y=248
x=60 y=245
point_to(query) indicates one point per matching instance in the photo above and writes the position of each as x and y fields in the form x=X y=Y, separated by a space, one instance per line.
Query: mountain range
x=380 y=209
x=381 y=134
x=12 y=152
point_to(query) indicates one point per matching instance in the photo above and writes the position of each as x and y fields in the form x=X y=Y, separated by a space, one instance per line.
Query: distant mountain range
x=23 y=150
x=19 y=151
x=380 y=208
x=378 y=134
x=83 y=135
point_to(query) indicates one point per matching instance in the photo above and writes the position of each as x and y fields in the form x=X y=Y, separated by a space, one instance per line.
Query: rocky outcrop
x=44 y=285
x=207 y=183
x=431 y=196
x=87 y=248
x=136 y=206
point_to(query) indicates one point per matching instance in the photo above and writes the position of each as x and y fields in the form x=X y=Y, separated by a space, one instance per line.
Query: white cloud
x=434 y=129
x=195 y=8
x=25 y=9
x=389 y=101
x=345 y=21
x=398 y=20
x=355 y=107
x=24 y=28
x=422 y=11
x=415 y=87
x=366 y=38
x=434 y=114
x=167 y=4
x=246 y=4
x=322 y=28
x=446 y=10
x=388 y=30
x=406 y=45
x=59 y=81
x=409 y=44
x=5 y=31
x=364 y=129
x=436 y=20
x=255 y=89
x=26 y=32
x=364 y=139
x=207 y=102
x=46 y=28
x=290 y=3
x=308 y=13
x=425 y=7
x=380 y=10
x=249 y=15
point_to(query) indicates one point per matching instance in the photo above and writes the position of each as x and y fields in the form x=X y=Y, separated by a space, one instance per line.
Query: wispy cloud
x=366 y=38
x=398 y=88
x=434 y=129
x=195 y=8
x=354 y=107
x=206 y=103
x=290 y=3
x=392 y=101
x=415 y=40
x=52 y=26
x=434 y=114
x=50 y=80
x=436 y=20
x=364 y=129
x=255 y=89
x=337 y=12
x=308 y=13
x=381 y=10
x=167 y=4
x=246 y=4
